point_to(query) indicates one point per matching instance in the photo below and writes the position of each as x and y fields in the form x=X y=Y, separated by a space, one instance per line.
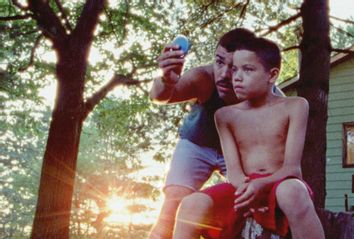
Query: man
x=197 y=153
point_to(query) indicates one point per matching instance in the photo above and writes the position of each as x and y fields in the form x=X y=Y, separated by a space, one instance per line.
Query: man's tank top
x=199 y=127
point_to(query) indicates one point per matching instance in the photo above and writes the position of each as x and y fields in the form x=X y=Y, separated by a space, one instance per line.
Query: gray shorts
x=192 y=165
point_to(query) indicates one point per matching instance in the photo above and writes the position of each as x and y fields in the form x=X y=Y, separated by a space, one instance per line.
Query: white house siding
x=340 y=110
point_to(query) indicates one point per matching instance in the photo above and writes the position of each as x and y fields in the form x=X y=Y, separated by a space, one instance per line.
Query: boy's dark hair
x=235 y=37
x=267 y=51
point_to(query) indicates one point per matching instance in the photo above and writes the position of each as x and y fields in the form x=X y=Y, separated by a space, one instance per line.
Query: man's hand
x=247 y=192
x=171 y=63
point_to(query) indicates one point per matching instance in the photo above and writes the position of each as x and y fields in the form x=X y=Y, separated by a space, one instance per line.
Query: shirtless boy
x=262 y=154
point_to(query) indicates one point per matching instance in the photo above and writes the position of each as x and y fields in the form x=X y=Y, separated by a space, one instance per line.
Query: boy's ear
x=273 y=75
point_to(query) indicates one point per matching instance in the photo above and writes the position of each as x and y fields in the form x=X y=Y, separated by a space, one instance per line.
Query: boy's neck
x=265 y=100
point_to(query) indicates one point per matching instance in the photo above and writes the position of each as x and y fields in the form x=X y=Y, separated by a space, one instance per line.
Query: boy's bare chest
x=261 y=126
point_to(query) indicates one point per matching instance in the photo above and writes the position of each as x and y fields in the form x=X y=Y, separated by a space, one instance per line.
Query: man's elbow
x=157 y=99
x=152 y=96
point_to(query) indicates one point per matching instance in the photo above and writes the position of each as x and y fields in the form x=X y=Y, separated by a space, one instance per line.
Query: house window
x=348 y=144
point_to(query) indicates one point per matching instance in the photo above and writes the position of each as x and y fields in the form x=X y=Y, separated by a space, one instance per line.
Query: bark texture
x=313 y=85
x=52 y=217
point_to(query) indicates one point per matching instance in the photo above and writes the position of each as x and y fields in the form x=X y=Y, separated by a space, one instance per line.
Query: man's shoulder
x=201 y=79
x=202 y=73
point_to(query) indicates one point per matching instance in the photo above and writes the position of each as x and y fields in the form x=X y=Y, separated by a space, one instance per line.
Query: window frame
x=346 y=126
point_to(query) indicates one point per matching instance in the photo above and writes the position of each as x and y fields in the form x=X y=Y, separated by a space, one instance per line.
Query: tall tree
x=59 y=163
x=313 y=84
x=72 y=45
x=74 y=75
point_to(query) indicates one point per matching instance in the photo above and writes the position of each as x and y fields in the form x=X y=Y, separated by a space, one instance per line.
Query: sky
x=341 y=8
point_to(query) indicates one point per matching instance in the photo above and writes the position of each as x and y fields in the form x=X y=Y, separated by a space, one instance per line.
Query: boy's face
x=222 y=74
x=250 y=79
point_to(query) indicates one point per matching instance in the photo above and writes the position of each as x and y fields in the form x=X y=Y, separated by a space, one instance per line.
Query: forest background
x=126 y=141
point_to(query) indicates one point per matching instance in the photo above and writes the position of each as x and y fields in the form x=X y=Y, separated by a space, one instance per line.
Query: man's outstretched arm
x=172 y=87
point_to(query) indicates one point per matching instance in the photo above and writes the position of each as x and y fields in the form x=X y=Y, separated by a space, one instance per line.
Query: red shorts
x=226 y=223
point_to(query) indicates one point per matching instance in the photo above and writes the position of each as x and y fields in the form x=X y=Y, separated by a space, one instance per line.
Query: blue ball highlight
x=183 y=42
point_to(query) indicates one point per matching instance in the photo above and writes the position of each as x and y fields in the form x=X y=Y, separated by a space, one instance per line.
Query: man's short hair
x=266 y=50
x=235 y=37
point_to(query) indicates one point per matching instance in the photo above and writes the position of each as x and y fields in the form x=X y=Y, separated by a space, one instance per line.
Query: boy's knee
x=197 y=201
x=177 y=193
x=293 y=197
x=195 y=205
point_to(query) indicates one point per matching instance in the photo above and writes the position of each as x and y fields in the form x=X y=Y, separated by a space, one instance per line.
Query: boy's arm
x=235 y=174
x=293 y=152
x=295 y=140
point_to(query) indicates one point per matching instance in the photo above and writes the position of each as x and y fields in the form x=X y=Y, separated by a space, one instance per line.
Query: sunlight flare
x=119 y=210
x=117 y=204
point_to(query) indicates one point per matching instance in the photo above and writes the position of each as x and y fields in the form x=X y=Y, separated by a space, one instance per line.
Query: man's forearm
x=161 y=92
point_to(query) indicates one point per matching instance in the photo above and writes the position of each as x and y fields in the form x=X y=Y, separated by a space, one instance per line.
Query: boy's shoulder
x=294 y=101
x=294 y=105
x=228 y=112
x=230 y=108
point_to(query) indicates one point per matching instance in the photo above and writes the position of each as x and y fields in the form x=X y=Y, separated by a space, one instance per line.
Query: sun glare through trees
x=124 y=141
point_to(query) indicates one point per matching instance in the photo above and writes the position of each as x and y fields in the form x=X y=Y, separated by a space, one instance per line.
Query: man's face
x=223 y=74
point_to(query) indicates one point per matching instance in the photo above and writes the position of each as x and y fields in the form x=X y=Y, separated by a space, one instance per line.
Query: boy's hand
x=247 y=192
x=171 y=63
x=240 y=182
x=252 y=210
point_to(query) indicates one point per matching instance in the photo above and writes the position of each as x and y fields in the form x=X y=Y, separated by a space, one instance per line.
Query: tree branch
x=123 y=25
x=347 y=51
x=290 y=48
x=17 y=31
x=219 y=16
x=116 y=80
x=342 y=20
x=17 y=17
x=242 y=13
x=342 y=31
x=33 y=51
x=29 y=32
x=47 y=20
x=19 y=5
x=64 y=15
x=83 y=32
x=281 y=24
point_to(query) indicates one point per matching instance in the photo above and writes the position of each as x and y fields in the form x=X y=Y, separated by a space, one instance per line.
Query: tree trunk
x=313 y=85
x=52 y=216
x=57 y=179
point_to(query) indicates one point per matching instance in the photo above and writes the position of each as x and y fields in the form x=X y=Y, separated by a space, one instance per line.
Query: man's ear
x=273 y=75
